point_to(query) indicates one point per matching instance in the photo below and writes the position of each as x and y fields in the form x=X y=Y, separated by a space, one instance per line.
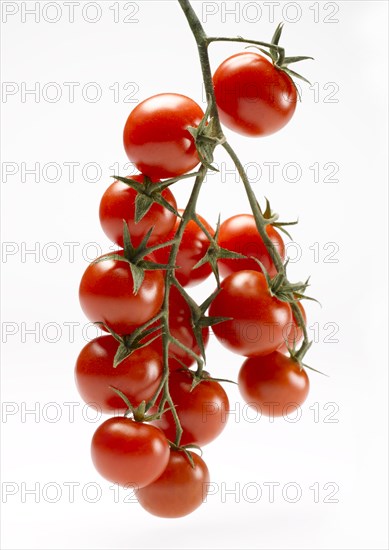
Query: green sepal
x=143 y=204
x=138 y=275
x=149 y=193
x=121 y=354
x=185 y=449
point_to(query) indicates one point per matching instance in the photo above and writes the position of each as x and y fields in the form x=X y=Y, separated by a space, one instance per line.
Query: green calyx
x=216 y=252
x=139 y=413
x=186 y=450
x=277 y=55
x=199 y=319
x=271 y=218
x=206 y=138
x=134 y=257
x=148 y=193
x=138 y=339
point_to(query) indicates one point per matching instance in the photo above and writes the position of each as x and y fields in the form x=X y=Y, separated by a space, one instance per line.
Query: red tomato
x=240 y=234
x=156 y=137
x=254 y=98
x=138 y=376
x=179 y=490
x=203 y=412
x=106 y=294
x=295 y=334
x=193 y=247
x=180 y=325
x=274 y=383
x=129 y=453
x=258 y=319
x=118 y=204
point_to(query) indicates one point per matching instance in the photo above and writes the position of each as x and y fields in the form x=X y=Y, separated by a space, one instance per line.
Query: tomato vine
x=280 y=298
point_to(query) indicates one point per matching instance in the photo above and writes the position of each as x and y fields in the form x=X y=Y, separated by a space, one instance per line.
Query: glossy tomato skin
x=253 y=97
x=274 y=383
x=295 y=334
x=179 y=490
x=193 y=247
x=106 y=294
x=240 y=234
x=258 y=319
x=129 y=453
x=203 y=412
x=156 y=138
x=118 y=204
x=180 y=326
x=138 y=376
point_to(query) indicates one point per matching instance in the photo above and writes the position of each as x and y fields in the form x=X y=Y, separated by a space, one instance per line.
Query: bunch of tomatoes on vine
x=150 y=366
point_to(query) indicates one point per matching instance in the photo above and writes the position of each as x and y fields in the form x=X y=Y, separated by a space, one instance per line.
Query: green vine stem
x=215 y=132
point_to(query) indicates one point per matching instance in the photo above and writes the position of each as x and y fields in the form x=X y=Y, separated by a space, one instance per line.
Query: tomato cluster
x=143 y=366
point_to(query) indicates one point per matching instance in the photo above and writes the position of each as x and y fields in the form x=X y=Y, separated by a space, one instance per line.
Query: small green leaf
x=112 y=332
x=198 y=333
x=277 y=34
x=163 y=185
x=153 y=266
x=205 y=305
x=143 y=204
x=121 y=353
x=268 y=212
x=145 y=240
x=138 y=275
x=131 y=183
x=296 y=59
x=293 y=74
x=124 y=397
x=128 y=248
x=163 y=202
x=211 y=321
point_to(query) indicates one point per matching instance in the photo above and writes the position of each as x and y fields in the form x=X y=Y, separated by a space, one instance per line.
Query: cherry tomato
x=180 y=326
x=193 y=247
x=179 y=490
x=295 y=334
x=106 y=294
x=258 y=319
x=253 y=97
x=274 y=383
x=240 y=234
x=203 y=412
x=129 y=453
x=118 y=204
x=138 y=376
x=156 y=137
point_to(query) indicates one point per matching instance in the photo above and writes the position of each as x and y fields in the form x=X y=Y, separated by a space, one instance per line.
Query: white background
x=346 y=448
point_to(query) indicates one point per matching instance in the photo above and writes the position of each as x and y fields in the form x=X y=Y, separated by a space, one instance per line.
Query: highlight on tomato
x=132 y=454
x=180 y=489
x=119 y=203
x=156 y=137
x=258 y=320
x=137 y=376
x=253 y=96
x=275 y=383
x=107 y=295
x=240 y=234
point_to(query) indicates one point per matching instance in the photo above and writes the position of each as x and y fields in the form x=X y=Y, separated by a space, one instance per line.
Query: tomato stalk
x=167 y=338
x=203 y=41
x=213 y=136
